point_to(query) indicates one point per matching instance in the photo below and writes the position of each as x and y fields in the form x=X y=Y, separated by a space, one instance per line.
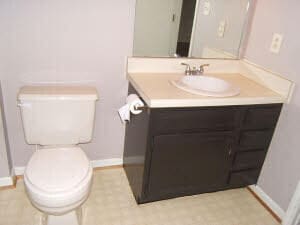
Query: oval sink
x=207 y=86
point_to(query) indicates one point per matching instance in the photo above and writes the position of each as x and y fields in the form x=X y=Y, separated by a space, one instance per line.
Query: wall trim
x=6 y=181
x=268 y=201
x=107 y=162
x=19 y=171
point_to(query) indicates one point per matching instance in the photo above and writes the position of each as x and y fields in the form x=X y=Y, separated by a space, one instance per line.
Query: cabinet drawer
x=256 y=139
x=180 y=120
x=244 y=178
x=262 y=118
x=249 y=160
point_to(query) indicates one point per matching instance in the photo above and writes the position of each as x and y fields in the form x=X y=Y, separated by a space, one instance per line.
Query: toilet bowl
x=58 y=181
x=58 y=176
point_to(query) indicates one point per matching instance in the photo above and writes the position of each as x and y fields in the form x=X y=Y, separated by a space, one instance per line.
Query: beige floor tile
x=112 y=203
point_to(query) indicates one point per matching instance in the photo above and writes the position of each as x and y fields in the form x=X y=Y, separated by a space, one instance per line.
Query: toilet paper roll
x=133 y=102
x=124 y=113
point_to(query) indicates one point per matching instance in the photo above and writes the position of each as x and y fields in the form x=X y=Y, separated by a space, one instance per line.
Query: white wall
x=67 y=40
x=281 y=171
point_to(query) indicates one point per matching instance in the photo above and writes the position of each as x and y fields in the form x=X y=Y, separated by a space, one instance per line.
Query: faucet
x=188 y=70
x=194 y=70
x=201 y=68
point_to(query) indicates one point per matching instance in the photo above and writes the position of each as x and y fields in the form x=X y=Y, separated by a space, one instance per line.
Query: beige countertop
x=157 y=91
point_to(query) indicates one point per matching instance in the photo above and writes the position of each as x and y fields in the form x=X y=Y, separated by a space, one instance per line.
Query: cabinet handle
x=229 y=150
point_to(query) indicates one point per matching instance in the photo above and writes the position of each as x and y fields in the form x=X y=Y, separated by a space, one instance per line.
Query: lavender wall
x=67 y=40
x=281 y=171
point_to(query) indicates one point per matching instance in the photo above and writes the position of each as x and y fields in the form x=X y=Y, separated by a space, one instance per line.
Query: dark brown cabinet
x=172 y=152
x=168 y=174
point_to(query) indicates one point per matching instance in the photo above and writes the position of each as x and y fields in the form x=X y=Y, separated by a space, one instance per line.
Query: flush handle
x=24 y=104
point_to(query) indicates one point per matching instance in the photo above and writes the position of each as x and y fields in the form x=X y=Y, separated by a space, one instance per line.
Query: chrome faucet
x=201 y=68
x=194 y=70
x=188 y=70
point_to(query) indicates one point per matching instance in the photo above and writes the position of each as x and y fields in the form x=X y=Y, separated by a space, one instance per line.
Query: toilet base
x=71 y=218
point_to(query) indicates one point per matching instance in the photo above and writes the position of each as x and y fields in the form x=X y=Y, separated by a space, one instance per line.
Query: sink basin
x=207 y=86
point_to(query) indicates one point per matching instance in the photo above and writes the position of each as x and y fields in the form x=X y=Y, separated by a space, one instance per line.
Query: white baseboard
x=6 y=181
x=268 y=200
x=18 y=171
x=107 y=162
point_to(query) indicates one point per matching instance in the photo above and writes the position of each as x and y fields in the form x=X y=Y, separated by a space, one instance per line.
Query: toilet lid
x=57 y=169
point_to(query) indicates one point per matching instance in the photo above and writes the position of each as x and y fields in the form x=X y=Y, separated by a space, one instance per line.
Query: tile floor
x=112 y=203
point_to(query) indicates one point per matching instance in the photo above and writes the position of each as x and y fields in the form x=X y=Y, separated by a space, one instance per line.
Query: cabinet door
x=189 y=164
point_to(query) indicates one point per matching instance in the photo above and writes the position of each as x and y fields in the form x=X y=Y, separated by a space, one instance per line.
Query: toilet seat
x=58 y=177
x=55 y=170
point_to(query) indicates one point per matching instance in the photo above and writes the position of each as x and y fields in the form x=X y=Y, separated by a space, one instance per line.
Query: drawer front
x=262 y=117
x=244 y=178
x=255 y=139
x=180 y=120
x=249 y=160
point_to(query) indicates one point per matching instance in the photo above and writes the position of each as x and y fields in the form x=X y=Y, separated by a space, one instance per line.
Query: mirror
x=190 y=28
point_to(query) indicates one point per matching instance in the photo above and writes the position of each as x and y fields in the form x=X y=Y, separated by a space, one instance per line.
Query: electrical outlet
x=221 y=28
x=276 y=43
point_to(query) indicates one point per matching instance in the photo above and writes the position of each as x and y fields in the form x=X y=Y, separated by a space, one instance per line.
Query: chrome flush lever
x=24 y=104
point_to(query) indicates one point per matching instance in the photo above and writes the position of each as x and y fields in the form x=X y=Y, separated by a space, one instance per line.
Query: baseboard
x=107 y=162
x=268 y=201
x=6 y=181
x=19 y=171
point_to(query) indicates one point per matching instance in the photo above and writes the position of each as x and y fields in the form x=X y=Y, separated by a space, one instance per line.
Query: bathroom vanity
x=172 y=151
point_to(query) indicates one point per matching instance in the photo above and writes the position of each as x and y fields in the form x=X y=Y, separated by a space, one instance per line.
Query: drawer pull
x=229 y=150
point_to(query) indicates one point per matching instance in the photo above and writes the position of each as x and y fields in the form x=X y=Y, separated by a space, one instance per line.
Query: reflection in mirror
x=190 y=28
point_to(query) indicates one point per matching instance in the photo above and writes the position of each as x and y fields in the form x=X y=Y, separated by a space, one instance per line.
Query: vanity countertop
x=157 y=91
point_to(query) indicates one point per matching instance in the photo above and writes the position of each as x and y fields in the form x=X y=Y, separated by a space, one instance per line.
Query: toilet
x=58 y=176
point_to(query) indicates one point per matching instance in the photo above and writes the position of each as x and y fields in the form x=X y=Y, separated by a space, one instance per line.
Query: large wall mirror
x=190 y=28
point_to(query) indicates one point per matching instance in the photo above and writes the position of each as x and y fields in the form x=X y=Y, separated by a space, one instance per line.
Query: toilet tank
x=57 y=115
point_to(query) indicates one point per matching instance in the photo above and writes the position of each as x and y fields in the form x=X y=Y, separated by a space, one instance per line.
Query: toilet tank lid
x=57 y=92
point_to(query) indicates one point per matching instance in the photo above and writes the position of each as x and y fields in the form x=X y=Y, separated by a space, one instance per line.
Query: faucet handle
x=201 y=68
x=188 y=70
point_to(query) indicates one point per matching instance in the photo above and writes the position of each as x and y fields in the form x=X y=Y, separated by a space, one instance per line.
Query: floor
x=111 y=203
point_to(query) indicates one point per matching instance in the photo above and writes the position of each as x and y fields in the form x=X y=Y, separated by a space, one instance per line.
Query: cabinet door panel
x=188 y=163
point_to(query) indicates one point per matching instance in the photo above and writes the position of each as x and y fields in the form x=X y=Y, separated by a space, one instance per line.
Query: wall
x=206 y=28
x=280 y=173
x=5 y=159
x=67 y=40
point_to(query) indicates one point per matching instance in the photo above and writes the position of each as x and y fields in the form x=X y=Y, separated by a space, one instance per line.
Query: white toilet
x=59 y=174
